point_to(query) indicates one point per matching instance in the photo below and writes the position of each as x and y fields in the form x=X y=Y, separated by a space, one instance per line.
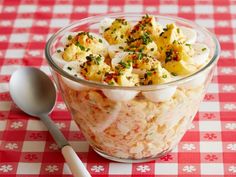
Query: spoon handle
x=75 y=164
x=54 y=131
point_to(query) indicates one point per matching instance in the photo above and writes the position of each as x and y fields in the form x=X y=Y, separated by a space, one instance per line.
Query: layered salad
x=134 y=123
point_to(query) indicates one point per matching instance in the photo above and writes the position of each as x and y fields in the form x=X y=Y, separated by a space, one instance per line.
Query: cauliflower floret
x=94 y=68
x=118 y=32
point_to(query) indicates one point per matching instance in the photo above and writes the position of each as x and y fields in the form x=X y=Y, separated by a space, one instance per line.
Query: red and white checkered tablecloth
x=26 y=147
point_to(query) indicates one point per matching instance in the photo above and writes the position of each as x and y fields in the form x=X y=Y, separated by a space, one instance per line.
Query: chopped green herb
x=125 y=65
x=150 y=82
x=173 y=74
x=167 y=59
x=58 y=51
x=98 y=60
x=141 y=49
x=120 y=47
x=69 y=68
x=89 y=35
x=140 y=56
x=178 y=31
x=106 y=29
x=168 y=55
x=188 y=45
x=80 y=46
x=164 y=76
x=145 y=38
x=87 y=49
x=100 y=40
x=111 y=83
x=69 y=37
x=128 y=77
x=99 y=72
x=149 y=73
x=203 y=49
x=122 y=36
x=161 y=33
x=152 y=49
x=165 y=29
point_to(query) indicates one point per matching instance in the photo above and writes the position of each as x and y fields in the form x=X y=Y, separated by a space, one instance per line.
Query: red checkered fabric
x=26 y=147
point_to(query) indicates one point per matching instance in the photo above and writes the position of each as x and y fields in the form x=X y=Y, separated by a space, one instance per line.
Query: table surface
x=27 y=149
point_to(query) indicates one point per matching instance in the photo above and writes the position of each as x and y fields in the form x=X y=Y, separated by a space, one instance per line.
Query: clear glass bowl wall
x=138 y=129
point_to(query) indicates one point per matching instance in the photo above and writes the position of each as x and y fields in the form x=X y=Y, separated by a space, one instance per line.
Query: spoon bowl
x=32 y=91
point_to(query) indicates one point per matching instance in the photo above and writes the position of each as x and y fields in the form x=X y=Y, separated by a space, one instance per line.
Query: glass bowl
x=136 y=129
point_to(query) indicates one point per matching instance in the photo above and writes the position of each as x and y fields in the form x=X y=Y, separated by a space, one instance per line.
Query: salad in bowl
x=133 y=83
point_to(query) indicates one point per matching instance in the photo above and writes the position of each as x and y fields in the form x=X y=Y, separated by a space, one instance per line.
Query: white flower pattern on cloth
x=226 y=70
x=231 y=147
x=226 y=54
x=53 y=146
x=34 y=53
x=189 y=168
x=9 y=9
x=60 y=125
x=186 y=9
x=232 y=169
x=230 y=106
x=61 y=106
x=230 y=126
x=80 y=9
x=5 y=23
x=221 y=9
x=41 y=23
x=16 y=125
x=38 y=38
x=97 y=168
x=11 y=146
x=151 y=9
x=6 y=168
x=44 y=9
x=3 y=38
x=143 y=168
x=224 y=38
x=222 y=23
x=228 y=88
x=188 y=147
x=115 y=9
x=51 y=168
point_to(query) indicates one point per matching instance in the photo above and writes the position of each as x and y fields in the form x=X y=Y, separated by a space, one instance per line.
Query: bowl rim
x=89 y=83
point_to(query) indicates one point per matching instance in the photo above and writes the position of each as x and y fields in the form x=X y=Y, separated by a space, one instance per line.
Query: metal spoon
x=35 y=94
